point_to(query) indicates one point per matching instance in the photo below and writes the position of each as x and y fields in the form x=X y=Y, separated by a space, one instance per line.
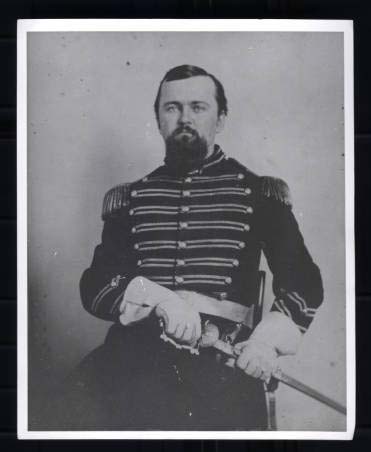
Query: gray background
x=91 y=126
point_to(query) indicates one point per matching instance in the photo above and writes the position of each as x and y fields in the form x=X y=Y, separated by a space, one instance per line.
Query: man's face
x=188 y=113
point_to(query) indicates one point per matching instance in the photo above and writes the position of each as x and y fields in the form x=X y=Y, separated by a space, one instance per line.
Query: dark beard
x=185 y=153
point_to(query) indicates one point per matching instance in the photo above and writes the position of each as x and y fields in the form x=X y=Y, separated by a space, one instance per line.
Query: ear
x=220 y=123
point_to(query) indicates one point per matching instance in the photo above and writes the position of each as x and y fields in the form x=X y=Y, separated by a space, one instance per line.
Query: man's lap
x=135 y=381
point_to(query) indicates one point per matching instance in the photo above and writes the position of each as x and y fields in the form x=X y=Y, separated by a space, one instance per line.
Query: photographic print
x=185 y=240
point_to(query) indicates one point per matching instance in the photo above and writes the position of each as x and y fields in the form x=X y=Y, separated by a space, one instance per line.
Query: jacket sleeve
x=297 y=282
x=103 y=284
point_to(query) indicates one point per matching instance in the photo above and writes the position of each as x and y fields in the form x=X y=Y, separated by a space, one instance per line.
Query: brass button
x=184 y=209
x=228 y=280
x=186 y=193
x=246 y=227
x=179 y=279
x=139 y=263
x=183 y=225
x=188 y=179
x=134 y=229
x=236 y=262
x=182 y=244
x=131 y=212
x=241 y=244
x=134 y=193
x=136 y=246
x=180 y=262
x=115 y=281
x=248 y=190
x=145 y=179
x=249 y=210
x=240 y=176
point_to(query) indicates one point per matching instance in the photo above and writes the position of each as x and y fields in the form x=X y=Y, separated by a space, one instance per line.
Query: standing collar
x=216 y=157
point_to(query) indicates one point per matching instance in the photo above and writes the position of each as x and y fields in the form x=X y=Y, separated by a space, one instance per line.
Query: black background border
x=10 y=11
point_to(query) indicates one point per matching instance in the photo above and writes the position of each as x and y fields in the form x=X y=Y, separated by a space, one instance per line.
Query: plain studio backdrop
x=91 y=126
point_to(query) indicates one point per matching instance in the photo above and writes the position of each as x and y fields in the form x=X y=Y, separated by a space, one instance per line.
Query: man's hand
x=181 y=321
x=256 y=359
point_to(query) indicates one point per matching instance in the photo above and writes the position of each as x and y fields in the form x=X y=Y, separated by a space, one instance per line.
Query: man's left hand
x=256 y=359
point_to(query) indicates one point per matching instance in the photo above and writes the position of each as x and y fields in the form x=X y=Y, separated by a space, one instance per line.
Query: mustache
x=184 y=129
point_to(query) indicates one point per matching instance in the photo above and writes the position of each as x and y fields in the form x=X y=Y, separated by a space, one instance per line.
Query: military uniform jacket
x=203 y=231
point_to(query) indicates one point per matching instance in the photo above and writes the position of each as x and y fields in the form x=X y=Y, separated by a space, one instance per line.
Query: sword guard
x=192 y=350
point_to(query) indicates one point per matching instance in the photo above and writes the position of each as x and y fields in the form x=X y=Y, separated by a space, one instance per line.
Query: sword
x=210 y=339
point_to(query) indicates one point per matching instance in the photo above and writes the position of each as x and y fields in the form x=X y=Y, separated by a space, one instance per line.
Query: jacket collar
x=216 y=157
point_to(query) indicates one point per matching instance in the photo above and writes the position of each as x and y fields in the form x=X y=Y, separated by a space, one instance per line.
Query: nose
x=184 y=117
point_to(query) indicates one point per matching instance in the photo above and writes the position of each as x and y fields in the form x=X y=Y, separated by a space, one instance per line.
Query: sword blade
x=228 y=349
x=308 y=390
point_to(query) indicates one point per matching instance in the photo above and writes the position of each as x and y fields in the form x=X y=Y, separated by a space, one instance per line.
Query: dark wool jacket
x=204 y=232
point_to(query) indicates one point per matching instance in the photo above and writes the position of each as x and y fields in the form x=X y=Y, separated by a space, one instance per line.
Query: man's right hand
x=181 y=321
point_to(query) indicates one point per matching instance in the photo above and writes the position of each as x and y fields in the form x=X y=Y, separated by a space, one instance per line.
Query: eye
x=171 y=108
x=198 y=108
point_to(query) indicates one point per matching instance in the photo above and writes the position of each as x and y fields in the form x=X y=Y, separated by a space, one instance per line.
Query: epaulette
x=115 y=199
x=277 y=189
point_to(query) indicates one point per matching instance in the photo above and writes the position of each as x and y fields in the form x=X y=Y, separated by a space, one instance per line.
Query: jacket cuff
x=106 y=303
x=292 y=305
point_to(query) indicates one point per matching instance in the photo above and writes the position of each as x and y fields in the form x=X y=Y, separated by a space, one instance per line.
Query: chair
x=270 y=388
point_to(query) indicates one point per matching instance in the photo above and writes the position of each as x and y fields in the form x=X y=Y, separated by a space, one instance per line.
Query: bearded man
x=179 y=257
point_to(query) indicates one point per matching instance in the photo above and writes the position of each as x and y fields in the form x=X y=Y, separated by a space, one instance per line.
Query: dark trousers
x=135 y=381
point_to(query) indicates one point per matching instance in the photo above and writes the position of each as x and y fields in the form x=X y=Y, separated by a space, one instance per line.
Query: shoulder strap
x=237 y=166
x=277 y=189
x=115 y=199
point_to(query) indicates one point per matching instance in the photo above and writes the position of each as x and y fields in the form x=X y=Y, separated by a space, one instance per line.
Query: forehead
x=200 y=88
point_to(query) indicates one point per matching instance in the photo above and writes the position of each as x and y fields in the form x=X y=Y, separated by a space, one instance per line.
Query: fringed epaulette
x=277 y=189
x=115 y=199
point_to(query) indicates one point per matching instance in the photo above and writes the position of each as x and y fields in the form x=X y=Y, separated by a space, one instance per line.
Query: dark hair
x=188 y=71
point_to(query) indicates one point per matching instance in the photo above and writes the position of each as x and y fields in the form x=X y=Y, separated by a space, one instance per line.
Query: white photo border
x=180 y=25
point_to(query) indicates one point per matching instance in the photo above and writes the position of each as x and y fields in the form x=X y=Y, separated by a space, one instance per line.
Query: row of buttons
x=183 y=245
x=181 y=262
x=185 y=225
x=189 y=179
x=187 y=193
x=185 y=209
